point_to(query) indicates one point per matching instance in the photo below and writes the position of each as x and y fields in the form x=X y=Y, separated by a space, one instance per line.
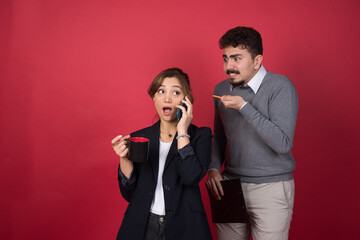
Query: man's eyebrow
x=233 y=56
x=236 y=55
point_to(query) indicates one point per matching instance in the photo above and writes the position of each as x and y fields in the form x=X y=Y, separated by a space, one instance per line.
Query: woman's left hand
x=186 y=118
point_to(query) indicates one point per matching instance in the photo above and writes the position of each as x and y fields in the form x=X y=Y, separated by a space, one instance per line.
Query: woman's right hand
x=120 y=147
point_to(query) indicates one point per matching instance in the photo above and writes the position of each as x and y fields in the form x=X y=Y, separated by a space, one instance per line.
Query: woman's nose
x=168 y=98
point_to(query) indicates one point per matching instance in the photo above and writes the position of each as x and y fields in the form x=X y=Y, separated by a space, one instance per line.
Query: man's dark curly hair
x=245 y=37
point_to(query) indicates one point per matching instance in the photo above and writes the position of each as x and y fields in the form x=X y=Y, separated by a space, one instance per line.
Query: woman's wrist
x=183 y=136
x=126 y=166
x=180 y=132
x=182 y=140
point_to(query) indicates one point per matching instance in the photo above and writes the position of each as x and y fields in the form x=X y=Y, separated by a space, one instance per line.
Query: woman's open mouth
x=167 y=111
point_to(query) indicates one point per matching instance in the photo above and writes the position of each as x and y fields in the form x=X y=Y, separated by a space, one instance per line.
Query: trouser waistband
x=160 y=218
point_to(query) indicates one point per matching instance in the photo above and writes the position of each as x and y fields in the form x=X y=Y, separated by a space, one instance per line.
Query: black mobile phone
x=179 y=111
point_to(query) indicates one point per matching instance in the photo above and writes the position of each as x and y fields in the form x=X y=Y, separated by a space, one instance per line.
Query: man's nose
x=230 y=65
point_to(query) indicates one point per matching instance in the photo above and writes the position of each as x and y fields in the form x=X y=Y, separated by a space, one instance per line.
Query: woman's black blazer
x=185 y=214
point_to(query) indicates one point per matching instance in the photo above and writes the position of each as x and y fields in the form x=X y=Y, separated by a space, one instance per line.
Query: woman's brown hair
x=168 y=73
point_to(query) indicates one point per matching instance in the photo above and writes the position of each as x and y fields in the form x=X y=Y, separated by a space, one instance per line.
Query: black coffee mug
x=138 y=149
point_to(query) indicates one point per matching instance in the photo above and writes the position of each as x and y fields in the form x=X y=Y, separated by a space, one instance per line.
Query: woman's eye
x=161 y=91
x=176 y=93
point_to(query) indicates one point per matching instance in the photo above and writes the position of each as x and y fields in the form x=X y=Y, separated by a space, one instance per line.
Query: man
x=253 y=135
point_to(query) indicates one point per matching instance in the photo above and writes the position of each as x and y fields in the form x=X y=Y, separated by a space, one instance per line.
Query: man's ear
x=258 y=60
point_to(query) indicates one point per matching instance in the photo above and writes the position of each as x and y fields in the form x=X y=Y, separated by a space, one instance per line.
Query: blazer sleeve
x=127 y=186
x=194 y=158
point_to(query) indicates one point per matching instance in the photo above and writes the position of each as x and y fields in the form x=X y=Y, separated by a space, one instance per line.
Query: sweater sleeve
x=277 y=131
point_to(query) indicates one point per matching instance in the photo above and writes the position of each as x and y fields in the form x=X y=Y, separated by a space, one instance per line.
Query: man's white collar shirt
x=256 y=81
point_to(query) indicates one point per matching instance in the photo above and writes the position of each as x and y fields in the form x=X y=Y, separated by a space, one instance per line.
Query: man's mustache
x=232 y=71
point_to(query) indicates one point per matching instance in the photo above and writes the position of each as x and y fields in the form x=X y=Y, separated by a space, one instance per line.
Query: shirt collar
x=256 y=81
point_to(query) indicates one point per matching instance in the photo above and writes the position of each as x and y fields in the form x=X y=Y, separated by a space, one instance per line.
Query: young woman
x=163 y=193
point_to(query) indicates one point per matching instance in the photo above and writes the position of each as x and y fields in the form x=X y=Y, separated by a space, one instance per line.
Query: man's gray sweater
x=256 y=141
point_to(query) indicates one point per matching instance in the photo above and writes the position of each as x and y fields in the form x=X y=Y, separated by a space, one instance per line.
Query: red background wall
x=74 y=74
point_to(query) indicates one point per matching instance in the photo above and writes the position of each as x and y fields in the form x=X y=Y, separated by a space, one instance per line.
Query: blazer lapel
x=171 y=154
x=154 y=136
x=173 y=148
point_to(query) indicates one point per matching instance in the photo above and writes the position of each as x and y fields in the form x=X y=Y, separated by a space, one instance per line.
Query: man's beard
x=235 y=84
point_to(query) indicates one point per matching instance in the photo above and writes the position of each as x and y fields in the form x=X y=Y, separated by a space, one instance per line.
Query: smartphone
x=179 y=111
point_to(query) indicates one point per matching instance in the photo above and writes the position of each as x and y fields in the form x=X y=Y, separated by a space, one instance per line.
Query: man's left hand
x=233 y=102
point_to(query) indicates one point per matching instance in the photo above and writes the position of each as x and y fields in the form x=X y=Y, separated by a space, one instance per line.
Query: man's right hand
x=213 y=183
